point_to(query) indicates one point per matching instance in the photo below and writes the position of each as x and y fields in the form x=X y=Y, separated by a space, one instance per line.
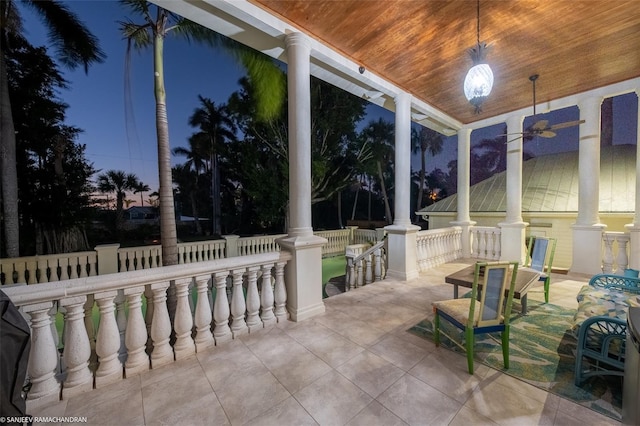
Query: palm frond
x=10 y=19
x=140 y=35
x=138 y=7
x=74 y=43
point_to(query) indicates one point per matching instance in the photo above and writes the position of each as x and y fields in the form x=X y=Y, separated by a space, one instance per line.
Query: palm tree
x=139 y=189
x=216 y=128
x=119 y=182
x=152 y=32
x=425 y=140
x=189 y=172
x=74 y=46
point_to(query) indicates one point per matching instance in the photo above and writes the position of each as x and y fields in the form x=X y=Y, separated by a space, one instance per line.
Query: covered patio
x=354 y=364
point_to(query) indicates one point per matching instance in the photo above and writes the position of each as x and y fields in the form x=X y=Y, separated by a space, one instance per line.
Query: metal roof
x=550 y=184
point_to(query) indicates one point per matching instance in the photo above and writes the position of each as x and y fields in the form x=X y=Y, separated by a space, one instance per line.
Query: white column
x=512 y=236
x=634 y=228
x=587 y=231
x=464 y=179
x=304 y=271
x=401 y=236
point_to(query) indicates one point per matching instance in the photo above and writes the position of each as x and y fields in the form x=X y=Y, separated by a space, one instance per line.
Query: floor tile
x=332 y=399
x=334 y=349
x=417 y=403
x=375 y=414
x=371 y=373
x=399 y=352
x=288 y=412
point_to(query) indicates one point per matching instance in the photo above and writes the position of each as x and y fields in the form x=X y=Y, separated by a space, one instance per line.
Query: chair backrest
x=541 y=250
x=498 y=282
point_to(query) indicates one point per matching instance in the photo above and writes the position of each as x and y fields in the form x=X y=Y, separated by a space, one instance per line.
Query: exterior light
x=479 y=79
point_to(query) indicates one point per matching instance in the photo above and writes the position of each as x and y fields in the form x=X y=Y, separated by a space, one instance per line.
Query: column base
x=634 y=245
x=587 y=249
x=402 y=258
x=513 y=241
x=303 y=275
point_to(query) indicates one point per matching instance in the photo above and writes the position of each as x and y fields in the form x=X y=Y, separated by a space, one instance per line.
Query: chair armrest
x=616 y=282
x=603 y=338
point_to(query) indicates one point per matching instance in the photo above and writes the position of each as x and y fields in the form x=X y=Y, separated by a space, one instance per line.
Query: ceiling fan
x=541 y=128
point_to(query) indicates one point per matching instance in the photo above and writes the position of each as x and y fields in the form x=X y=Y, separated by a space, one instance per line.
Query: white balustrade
x=94 y=357
x=364 y=264
x=615 y=257
x=485 y=242
x=438 y=246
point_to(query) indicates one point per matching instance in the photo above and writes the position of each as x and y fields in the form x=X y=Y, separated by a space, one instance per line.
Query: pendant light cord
x=478 y=23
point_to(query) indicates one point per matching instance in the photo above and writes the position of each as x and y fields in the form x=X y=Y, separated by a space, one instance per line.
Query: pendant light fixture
x=479 y=79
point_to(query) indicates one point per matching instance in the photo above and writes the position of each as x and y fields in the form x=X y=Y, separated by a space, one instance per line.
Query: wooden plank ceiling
x=421 y=45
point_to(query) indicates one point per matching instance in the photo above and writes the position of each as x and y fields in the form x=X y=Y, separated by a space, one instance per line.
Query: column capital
x=402 y=97
x=300 y=39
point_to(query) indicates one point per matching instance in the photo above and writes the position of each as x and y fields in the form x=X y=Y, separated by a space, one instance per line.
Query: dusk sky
x=97 y=100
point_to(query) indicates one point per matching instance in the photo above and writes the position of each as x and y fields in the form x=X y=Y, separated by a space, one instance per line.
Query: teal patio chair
x=487 y=310
x=540 y=251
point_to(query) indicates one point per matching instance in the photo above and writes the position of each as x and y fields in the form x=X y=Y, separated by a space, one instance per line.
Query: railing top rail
x=25 y=294
x=440 y=230
x=371 y=249
x=11 y=260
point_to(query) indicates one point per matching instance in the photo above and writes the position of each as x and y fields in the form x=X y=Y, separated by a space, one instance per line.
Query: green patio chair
x=540 y=251
x=487 y=310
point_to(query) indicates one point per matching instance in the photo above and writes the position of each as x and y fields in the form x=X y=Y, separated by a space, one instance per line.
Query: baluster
x=162 y=352
x=52 y=265
x=40 y=274
x=607 y=260
x=280 y=293
x=253 y=300
x=204 y=338
x=350 y=279
x=183 y=321
x=496 y=245
x=368 y=275
x=266 y=297
x=238 y=305
x=221 y=332
x=108 y=341
x=474 y=242
x=88 y=320
x=359 y=277
x=377 y=266
x=148 y=315
x=43 y=356
x=77 y=348
x=136 y=333
x=30 y=270
x=622 y=259
x=121 y=320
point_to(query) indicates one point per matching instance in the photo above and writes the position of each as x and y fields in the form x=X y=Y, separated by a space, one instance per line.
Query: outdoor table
x=525 y=278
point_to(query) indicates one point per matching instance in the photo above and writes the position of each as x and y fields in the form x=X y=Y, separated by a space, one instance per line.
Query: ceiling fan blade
x=547 y=134
x=566 y=124
x=514 y=139
x=540 y=125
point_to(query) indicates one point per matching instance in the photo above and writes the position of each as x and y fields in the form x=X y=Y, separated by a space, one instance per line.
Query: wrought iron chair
x=487 y=310
x=540 y=251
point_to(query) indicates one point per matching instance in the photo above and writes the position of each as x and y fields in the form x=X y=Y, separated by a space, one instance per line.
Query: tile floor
x=354 y=365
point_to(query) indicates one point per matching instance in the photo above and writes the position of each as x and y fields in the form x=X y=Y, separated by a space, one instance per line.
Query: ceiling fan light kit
x=479 y=80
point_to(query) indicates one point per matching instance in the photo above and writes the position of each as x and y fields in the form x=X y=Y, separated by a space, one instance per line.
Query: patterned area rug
x=542 y=353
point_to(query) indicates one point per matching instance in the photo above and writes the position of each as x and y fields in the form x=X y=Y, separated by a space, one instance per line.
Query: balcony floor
x=356 y=364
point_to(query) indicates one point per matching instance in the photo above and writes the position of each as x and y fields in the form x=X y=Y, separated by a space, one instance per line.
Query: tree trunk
x=168 y=234
x=423 y=167
x=383 y=188
x=215 y=196
x=8 y=169
x=340 y=226
x=369 y=200
x=355 y=204
x=194 y=210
